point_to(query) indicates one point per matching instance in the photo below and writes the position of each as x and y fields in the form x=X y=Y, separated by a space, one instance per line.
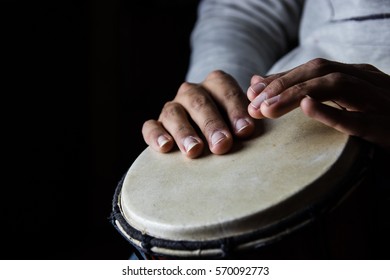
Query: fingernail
x=256 y=103
x=162 y=140
x=272 y=100
x=190 y=142
x=257 y=88
x=241 y=124
x=217 y=137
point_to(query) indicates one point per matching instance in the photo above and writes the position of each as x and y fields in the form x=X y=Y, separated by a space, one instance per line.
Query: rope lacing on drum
x=146 y=243
x=226 y=247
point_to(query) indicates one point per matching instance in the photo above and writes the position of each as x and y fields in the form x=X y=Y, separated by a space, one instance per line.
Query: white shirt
x=246 y=37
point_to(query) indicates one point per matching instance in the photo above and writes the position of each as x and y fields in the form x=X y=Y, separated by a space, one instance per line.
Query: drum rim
x=261 y=237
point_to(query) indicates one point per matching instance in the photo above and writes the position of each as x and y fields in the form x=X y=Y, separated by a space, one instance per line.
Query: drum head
x=266 y=187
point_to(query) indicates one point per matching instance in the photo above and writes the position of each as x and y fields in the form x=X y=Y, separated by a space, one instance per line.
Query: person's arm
x=242 y=37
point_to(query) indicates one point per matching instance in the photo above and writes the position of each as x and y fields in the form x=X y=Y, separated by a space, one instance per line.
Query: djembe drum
x=237 y=205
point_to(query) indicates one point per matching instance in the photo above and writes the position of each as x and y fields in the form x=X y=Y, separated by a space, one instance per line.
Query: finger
x=268 y=78
x=345 y=90
x=278 y=83
x=350 y=92
x=257 y=95
x=255 y=89
x=259 y=83
x=256 y=79
x=371 y=74
x=156 y=136
x=229 y=96
x=315 y=68
x=341 y=120
x=273 y=107
x=373 y=128
x=174 y=119
x=204 y=112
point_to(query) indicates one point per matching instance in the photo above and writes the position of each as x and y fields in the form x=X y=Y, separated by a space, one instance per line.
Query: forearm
x=242 y=37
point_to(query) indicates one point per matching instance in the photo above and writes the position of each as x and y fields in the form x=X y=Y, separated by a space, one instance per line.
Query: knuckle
x=339 y=78
x=198 y=101
x=186 y=86
x=171 y=109
x=216 y=74
x=319 y=65
x=369 y=67
x=209 y=124
x=279 y=84
x=182 y=129
x=224 y=81
x=300 y=89
x=319 y=62
x=233 y=94
x=148 y=123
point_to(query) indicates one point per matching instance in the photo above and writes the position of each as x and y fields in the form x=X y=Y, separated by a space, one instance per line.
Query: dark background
x=79 y=79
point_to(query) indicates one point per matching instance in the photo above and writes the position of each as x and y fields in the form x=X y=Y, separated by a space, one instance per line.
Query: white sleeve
x=242 y=37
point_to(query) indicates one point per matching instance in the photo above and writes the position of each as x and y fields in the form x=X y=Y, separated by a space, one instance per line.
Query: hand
x=361 y=90
x=201 y=107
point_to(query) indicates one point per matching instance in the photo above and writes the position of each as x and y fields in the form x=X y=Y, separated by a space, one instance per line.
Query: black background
x=79 y=79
